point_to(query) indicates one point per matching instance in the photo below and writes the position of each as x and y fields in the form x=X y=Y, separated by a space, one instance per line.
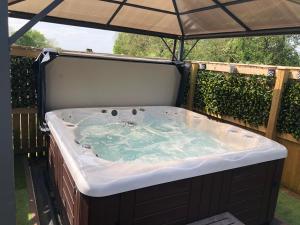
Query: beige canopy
x=172 y=18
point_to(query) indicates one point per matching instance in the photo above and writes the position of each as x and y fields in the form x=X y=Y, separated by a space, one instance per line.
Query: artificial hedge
x=289 y=117
x=247 y=98
x=23 y=90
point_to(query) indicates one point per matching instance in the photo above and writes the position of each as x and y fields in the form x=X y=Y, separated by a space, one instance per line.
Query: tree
x=276 y=50
x=34 y=38
x=141 y=46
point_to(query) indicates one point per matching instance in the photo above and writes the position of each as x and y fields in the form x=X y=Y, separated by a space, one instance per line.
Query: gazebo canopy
x=188 y=19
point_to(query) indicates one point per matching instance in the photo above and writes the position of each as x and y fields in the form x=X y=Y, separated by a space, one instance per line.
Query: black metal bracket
x=170 y=50
x=38 y=17
x=184 y=70
x=39 y=71
x=202 y=66
x=271 y=72
x=232 y=68
x=189 y=51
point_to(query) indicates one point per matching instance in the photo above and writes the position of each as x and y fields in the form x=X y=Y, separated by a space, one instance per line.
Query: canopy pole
x=193 y=46
x=181 y=50
x=7 y=187
x=170 y=50
x=174 y=50
x=33 y=21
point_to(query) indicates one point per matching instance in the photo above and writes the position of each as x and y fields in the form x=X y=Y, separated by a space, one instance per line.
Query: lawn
x=288 y=207
x=22 y=198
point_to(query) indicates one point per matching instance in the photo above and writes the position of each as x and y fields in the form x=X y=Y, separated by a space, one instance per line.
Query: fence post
x=191 y=93
x=281 y=78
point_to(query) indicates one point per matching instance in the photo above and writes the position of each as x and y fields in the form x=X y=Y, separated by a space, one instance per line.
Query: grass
x=22 y=198
x=288 y=207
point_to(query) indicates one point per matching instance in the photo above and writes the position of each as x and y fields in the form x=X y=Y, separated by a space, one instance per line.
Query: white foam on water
x=149 y=138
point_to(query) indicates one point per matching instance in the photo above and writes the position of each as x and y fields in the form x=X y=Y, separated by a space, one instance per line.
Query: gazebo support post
x=174 y=50
x=181 y=50
x=7 y=187
x=38 y=17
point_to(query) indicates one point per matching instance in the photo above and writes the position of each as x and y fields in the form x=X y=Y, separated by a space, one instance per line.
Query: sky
x=71 y=37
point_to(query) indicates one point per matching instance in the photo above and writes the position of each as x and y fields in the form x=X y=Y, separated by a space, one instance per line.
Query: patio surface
x=287 y=211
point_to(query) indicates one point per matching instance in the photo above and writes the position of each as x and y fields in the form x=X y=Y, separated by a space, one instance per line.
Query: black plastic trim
x=39 y=71
x=184 y=69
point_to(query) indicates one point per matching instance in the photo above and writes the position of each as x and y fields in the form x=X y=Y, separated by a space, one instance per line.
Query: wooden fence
x=291 y=173
x=27 y=137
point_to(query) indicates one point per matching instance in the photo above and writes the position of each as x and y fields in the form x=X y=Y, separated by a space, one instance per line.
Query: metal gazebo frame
x=7 y=204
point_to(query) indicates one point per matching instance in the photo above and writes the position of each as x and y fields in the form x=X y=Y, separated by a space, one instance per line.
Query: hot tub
x=159 y=165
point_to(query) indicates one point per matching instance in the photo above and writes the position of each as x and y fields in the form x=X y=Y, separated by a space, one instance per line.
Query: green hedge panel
x=289 y=117
x=23 y=90
x=247 y=98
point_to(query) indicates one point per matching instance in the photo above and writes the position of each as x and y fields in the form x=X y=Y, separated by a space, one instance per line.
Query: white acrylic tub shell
x=96 y=177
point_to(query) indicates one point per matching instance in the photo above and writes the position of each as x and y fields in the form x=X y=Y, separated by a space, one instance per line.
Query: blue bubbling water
x=150 y=138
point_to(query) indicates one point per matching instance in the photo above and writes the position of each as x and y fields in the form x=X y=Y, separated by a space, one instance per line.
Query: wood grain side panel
x=127 y=208
x=104 y=210
x=161 y=204
x=275 y=189
x=167 y=217
x=162 y=190
x=194 y=199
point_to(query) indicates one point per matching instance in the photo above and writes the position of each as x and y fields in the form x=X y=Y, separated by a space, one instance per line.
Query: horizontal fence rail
x=249 y=69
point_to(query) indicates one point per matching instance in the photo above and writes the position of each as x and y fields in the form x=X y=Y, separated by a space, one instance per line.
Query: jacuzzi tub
x=159 y=158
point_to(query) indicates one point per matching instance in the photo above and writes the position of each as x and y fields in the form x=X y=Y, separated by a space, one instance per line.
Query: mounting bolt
x=271 y=72
x=232 y=68
x=202 y=66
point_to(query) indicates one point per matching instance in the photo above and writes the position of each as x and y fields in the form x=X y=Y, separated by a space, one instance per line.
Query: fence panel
x=291 y=172
x=27 y=138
